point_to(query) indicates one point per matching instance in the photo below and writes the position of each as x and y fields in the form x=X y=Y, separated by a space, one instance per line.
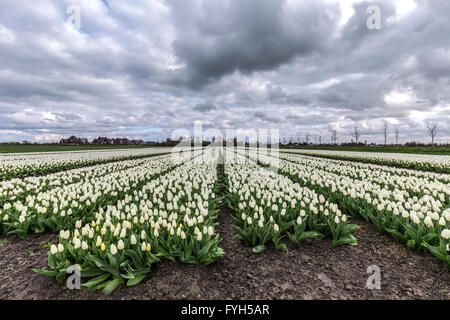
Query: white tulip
x=445 y=234
x=113 y=249
x=53 y=249
x=428 y=222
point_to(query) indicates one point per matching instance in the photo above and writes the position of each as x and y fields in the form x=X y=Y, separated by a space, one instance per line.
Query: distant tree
x=334 y=137
x=397 y=134
x=356 y=133
x=320 y=137
x=432 y=128
x=385 y=131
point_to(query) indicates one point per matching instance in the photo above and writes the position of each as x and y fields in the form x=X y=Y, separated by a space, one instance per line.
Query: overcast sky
x=141 y=69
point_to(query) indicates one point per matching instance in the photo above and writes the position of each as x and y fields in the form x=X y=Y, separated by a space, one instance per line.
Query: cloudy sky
x=145 y=68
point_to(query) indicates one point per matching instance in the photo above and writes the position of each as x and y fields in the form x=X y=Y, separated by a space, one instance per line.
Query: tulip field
x=432 y=163
x=17 y=165
x=412 y=206
x=117 y=214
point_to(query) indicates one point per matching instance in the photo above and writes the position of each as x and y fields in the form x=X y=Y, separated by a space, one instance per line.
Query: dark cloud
x=205 y=107
x=214 y=40
x=143 y=69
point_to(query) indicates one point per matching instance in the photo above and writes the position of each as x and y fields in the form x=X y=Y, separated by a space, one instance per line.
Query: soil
x=314 y=270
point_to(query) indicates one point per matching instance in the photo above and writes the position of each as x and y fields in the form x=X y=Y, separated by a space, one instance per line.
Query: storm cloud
x=143 y=69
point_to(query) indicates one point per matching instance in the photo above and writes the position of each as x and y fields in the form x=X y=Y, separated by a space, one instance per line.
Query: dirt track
x=314 y=270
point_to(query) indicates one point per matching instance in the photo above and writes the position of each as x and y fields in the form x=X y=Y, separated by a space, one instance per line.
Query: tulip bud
x=428 y=222
x=445 y=234
x=77 y=243
x=53 y=249
x=133 y=240
x=113 y=249
x=120 y=245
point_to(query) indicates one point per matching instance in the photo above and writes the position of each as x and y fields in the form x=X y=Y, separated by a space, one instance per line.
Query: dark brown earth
x=315 y=270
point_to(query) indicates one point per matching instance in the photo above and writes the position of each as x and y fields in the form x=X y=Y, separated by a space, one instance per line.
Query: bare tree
x=397 y=134
x=320 y=137
x=356 y=133
x=432 y=127
x=385 y=130
x=334 y=137
x=307 y=138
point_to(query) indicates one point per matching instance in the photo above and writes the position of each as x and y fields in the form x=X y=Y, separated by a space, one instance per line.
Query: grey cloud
x=246 y=36
x=205 y=107
x=145 y=68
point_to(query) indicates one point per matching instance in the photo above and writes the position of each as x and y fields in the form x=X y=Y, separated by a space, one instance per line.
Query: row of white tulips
x=439 y=163
x=269 y=206
x=412 y=208
x=11 y=190
x=407 y=182
x=172 y=217
x=26 y=164
x=61 y=206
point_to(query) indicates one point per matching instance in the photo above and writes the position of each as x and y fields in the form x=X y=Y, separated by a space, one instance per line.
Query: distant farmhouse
x=103 y=141
x=120 y=141
x=74 y=141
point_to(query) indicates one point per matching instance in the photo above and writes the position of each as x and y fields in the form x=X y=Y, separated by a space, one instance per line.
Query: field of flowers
x=269 y=206
x=116 y=215
x=17 y=165
x=412 y=206
x=433 y=163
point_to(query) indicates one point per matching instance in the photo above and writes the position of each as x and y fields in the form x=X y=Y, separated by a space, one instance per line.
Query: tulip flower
x=113 y=249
